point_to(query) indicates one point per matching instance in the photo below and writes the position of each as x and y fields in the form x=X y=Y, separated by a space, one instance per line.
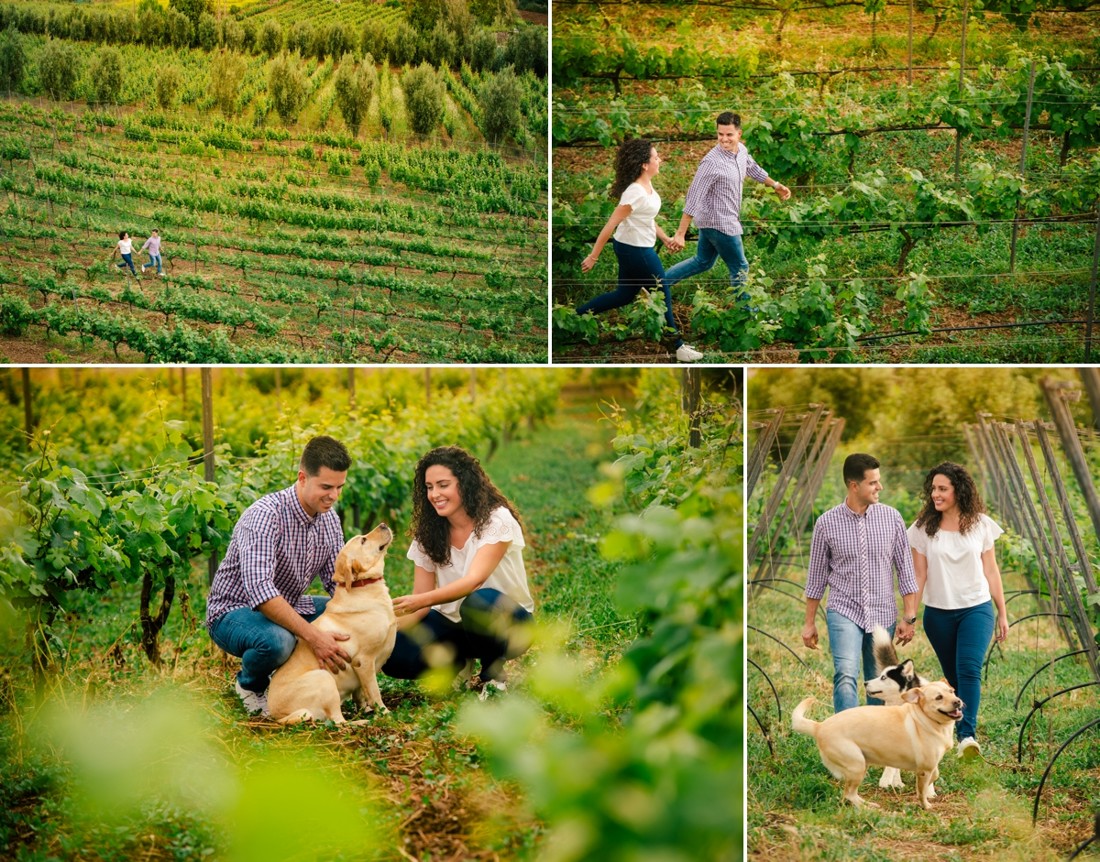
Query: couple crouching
x=470 y=599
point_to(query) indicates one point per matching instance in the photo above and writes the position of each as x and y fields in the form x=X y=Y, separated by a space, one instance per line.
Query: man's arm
x=754 y=171
x=816 y=582
x=907 y=582
x=325 y=645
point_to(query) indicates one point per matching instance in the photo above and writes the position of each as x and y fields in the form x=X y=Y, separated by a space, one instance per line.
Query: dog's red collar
x=362 y=582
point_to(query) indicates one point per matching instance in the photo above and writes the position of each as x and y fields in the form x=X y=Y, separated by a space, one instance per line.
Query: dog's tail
x=885 y=654
x=800 y=723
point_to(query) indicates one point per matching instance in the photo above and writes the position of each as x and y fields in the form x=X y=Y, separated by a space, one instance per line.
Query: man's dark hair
x=857 y=465
x=325 y=452
x=729 y=118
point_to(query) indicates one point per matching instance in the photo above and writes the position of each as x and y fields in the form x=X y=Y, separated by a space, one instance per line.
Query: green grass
x=123 y=760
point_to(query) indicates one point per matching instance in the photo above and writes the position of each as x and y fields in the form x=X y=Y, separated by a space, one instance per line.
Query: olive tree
x=423 y=98
x=500 y=97
x=287 y=86
x=226 y=73
x=58 y=69
x=354 y=86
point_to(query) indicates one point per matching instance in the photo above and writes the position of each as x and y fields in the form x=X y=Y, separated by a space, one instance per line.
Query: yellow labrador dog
x=360 y=607
x=914 y=736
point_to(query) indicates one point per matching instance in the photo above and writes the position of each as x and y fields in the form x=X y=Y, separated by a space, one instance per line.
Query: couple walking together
x=713 y=203
x=945 y=560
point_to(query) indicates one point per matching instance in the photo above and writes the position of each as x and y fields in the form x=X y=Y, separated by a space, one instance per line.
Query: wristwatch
x=910 y=620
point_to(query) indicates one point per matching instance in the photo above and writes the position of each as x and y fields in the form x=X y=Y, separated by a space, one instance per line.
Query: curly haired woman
x=635 y=231
x=470 y=599
x=959 y=582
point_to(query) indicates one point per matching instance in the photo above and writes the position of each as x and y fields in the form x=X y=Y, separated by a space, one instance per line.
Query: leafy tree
x=226 y=73
x=376 y=40
x=271 y=37
x=192 y=9
x=405 y=45
x=442 y=45
x=106 y=74
x=13 y=59
x=423 y=98
x=206 y=31
x=287 y=86
x=58 y=69
x=482 y=50
x=500 y=97
x=178 y=29
x=231 y=34
x=299 y=38
x=526 y=50
x=488 y=12
x=167 y=86
x=423 y=14
x=354 y=87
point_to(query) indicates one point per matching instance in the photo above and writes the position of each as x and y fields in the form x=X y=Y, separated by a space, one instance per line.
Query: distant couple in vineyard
x=125 y=249
x=714 y=204
x=470 y=600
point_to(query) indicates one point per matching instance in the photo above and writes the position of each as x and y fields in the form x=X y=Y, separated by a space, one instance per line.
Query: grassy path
x=206 y=780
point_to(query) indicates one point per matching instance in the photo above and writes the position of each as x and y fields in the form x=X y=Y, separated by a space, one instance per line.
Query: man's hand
x=326 y=646
x=809 y=635
x=783 y=192
x=677 y=242
x=905 y=632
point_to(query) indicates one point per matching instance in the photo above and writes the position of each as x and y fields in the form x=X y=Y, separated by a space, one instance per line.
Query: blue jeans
x=491 y=630
x=960 y=639
x=849 y=644
x=263 y=646
x=639 y=266
x=712 y=244
x=127 y=260
x=154 y=260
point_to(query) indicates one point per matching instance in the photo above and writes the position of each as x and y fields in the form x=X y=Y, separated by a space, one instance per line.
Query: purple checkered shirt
x=276 y=550
x=855 y=556
x=714 y=196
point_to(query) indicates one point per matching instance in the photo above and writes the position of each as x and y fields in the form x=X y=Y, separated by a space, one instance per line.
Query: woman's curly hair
x=479 y=498
x=967 y=499
x=632 y=157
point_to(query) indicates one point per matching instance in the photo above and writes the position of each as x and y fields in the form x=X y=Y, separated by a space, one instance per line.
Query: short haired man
x=857 y=549
x=257 y=606
x=714 y=203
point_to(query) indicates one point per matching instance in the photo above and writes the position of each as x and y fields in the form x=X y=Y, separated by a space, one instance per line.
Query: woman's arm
x=483 y=564
x=920 y=572
x=407 y=608
x=620 y=213
x=996 y=591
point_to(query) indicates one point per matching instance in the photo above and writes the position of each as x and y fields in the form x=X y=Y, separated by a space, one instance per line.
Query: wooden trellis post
x=758 y=455
x=1057 y=394
x=208 y=445
x=794 y=459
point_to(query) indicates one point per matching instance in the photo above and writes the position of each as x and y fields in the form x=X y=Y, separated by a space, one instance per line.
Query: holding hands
x=675 y=243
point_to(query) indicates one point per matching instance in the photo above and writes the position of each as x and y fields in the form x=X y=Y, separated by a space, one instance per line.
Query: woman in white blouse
x=635 y=229
x=470 y=599
x=959 y=582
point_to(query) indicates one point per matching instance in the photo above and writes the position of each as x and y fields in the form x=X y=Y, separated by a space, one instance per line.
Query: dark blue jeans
x=712 y=245
x=263 y=646
x=960 y=639
x=492 y=629
x=639 y=267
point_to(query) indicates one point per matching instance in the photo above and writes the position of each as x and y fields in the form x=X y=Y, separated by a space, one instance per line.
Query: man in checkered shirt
x=857 y=548
x=714 y=203
x=257 y=606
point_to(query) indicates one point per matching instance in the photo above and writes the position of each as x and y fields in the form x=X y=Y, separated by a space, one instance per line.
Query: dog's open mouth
x=955 y=715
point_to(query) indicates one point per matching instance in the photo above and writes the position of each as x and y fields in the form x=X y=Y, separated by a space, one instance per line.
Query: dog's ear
x=906 y=669
x=913 y=695
x=342 y=573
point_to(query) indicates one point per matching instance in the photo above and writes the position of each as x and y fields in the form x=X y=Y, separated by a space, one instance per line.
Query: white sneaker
x=253 y=702
x=161 y=274
x=491 y=688
x=969 y=748
x=143 y=269
x=685 y=353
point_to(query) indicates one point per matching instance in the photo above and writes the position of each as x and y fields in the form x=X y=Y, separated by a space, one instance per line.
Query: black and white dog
x=894 y=679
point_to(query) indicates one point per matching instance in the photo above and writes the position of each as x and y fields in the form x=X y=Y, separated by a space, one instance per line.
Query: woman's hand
x=403 y=605
x=1000 y=630
x=589 y=261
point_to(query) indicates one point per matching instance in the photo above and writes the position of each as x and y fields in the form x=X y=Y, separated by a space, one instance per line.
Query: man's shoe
x=462 y=678
x=685 y=353
x=253 y=702
x=143 y=269
x=969 y=748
